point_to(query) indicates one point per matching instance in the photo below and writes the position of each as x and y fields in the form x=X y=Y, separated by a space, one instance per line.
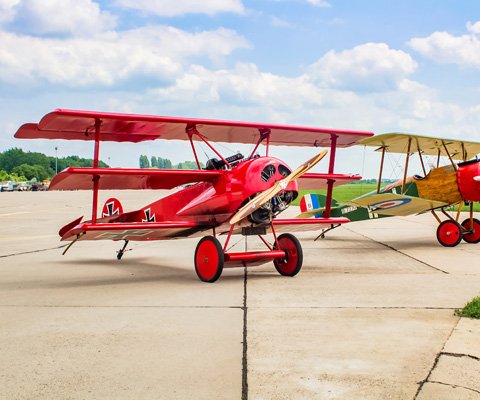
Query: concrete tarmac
x=370 y=316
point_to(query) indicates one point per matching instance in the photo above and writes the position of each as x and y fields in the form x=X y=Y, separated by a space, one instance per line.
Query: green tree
x=154 y=162
x=143 y=162
x=31 y=171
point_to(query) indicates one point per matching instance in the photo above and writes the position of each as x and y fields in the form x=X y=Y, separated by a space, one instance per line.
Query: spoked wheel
x=292 y=263
x=472 y=231
x=449 y=233
x=209 y=259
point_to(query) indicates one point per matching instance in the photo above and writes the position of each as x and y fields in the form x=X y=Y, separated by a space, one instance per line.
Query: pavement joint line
x=118 y=306
x=401 y=252
x=455 y=386
x=435 y=362
x=33 y=251
x=244 y=340
x=351 y=308
x=244 y=308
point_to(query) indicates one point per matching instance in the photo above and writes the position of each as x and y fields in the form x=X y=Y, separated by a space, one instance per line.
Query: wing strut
x=330 y=182
x=192 y=130
x=406 y=165
x=96 y=178
x=384 y=149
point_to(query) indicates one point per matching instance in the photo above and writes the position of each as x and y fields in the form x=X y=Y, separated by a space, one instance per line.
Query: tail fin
x=112 y=207
x=312 y=201
x=312 y=204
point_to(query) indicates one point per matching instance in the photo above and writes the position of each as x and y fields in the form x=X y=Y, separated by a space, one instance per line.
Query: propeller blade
x=261 y=198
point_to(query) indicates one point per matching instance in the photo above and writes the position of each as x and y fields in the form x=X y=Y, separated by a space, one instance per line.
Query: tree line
x=165 y=163
x=18 y=165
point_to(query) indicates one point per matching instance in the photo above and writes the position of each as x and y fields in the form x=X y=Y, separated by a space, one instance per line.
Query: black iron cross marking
x=148 y=217
x=110 y=210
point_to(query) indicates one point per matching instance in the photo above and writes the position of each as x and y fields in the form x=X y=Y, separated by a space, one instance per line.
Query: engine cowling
x=469 y=180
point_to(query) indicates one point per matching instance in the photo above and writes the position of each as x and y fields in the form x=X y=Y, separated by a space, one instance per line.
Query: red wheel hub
x=449 y=233
x=472 y=231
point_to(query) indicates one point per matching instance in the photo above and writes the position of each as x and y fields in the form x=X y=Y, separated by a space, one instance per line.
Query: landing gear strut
x=121 y=252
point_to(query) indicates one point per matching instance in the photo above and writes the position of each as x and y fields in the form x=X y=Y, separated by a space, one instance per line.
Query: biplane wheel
x=449 y=233
x=471 y=237
x=292 y=263
x=209 y=259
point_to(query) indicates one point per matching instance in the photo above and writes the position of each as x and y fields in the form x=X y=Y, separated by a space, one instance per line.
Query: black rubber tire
x=209 y=259
x=292 y=263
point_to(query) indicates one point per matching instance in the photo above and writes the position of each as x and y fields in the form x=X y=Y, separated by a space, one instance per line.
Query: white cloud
x=171 y=8
x=8 y=10
x=72 y=17
x=443 y=47
x=369 y=67
x=105 y=59
x=319 y=3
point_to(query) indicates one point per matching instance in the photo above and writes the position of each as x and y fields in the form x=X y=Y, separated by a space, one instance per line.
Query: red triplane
x=232 y=195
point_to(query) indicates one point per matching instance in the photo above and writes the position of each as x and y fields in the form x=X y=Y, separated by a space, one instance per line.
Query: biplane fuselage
x=213 y=203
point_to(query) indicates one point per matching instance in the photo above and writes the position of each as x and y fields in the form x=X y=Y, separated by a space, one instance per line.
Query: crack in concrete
x=34 y=251
x=459 y=355
x=435 y=362
x=400 y=252
x=455 y=386
x=244 y=341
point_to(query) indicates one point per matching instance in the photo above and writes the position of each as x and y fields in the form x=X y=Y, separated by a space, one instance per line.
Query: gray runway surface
x=370 y=316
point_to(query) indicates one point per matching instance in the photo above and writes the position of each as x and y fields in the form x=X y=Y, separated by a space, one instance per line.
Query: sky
x=407 y=66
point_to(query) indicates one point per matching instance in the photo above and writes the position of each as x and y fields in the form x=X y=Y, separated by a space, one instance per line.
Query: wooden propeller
x=261 y=198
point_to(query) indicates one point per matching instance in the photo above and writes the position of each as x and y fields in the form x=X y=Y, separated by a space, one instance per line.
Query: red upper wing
x=79 y=125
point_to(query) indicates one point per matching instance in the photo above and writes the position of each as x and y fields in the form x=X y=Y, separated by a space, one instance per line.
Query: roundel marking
x=386 y=205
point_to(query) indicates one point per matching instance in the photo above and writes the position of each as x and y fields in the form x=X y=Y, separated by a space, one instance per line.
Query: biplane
x=434 y=191
x=233 y=194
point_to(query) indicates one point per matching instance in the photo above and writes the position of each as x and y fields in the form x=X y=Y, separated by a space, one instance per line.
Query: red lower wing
x=306 y=224
x=133 y=231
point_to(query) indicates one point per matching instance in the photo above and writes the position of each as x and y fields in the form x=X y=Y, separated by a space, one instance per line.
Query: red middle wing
x=73 y=178
x=315 y=181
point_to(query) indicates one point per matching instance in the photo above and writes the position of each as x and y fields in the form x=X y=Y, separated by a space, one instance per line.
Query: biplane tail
x=313 y=205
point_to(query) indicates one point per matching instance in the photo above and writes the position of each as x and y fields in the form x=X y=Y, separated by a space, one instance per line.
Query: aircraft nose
x=469 y=180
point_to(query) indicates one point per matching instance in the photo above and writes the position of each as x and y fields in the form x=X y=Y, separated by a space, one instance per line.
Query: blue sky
x=374 y=65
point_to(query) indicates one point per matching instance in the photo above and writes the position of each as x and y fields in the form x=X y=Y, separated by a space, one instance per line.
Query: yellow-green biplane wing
x=395 y=204
x=398 y=143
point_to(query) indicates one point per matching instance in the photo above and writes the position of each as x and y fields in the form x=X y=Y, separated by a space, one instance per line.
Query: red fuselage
x=214 y=203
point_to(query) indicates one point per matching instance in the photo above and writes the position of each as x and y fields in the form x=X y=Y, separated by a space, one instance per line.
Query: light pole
x=56 y=160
